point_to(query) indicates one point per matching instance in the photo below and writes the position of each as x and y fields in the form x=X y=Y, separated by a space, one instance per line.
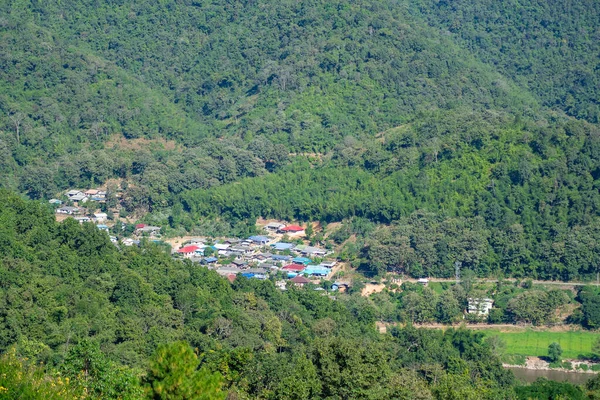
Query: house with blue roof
x=316 y=270
x=260 y=240
x=278 y=257
x=281 y=246
x=302 y=260
x=210 y=260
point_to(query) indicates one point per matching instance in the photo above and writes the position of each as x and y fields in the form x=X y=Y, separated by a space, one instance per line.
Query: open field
x=535 y=343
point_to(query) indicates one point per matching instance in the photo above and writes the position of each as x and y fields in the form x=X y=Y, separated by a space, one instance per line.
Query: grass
x=535 y=343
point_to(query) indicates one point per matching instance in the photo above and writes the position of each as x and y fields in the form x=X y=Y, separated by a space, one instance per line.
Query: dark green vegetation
x=475 y=138
x=96 y=315
x=108 y=323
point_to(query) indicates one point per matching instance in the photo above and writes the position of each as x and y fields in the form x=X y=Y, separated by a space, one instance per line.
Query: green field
x=535 y=343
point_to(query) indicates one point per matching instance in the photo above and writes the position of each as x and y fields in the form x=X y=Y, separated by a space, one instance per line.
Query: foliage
x=173 y=374
x=554 y=352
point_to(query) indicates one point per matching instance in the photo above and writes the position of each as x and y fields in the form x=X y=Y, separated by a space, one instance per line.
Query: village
x=279 y=252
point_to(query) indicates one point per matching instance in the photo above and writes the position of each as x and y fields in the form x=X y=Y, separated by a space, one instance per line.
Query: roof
x=316 y=270
x=211 y=259
x=91 y=191
x=301 y=260
x=294 y=267
x=139 y=226
x=275 y=225
x=231 y=277
x=299 y=279
x=292 y=228
x=188 y=249
x=313 y=250
x=259 y=238
x=54 y=201
x=100 y=215
x=283 y=246
x=73 y=192
x=281 y=258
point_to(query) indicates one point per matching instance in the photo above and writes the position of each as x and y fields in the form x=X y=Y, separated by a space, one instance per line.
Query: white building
x=480 y=307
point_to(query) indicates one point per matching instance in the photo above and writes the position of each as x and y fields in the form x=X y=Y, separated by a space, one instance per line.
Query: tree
x=173 y=374
x=17 y=119
x=554 y=352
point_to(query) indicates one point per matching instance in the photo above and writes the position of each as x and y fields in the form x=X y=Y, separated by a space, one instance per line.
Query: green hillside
x=82 y=319
x=478 y=115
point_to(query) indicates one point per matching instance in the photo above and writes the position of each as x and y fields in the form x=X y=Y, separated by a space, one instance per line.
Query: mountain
x=214 y=113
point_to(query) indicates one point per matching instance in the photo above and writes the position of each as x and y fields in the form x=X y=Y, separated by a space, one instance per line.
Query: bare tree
x=17 y=119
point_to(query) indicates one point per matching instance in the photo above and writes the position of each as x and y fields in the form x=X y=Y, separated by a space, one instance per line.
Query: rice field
x=535 y=343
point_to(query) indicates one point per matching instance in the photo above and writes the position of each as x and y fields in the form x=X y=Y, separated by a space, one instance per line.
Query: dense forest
x=479 y=121
x=82 y=319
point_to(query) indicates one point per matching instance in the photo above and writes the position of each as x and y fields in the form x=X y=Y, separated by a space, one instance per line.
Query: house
x=299 y=281
x=196 y=241
x=241 y=249
x=274 y=226
x=91 y=192
x=114 y=239
x=262 y=257
x=224 y=271
x=280 y=285
x=313 y=251
x=239 y=263
x=231 y=277
x=100 y=217
x=277 y=257
x=221 y=246
x=480 y=307
x=102 y=227
x=341 y=286
x=188 y=251
x=257 y=271
x=329 y=264
x=292 y=230
x=55 y=202
x=423 y=281
x=68 y=210
x=79 y=197
x=209 y=260
x=140 y=226
x=260 y=240
x=281 y=246
x=251 y=275
x=72 y=193
x=131 y=242
x=148 y=230
x=316 y=270
x=81 y=220
x=301 y=260
x=294 y=268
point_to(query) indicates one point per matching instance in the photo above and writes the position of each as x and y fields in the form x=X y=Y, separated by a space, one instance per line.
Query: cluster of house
x=257 y=257
x=79 y=196
x=290 y=230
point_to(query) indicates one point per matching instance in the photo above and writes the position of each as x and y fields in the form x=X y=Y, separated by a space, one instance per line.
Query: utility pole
x=457 y=266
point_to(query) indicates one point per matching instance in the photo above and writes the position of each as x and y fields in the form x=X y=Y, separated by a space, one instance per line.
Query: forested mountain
x=94 y=315
x=479 y=116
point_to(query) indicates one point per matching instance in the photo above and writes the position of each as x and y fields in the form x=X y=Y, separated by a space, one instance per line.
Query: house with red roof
x=188 y=251
x=294 y=268
x=299 y=281
x=292 y=230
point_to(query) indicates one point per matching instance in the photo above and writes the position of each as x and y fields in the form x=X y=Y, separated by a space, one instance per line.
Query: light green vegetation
x=535 y=343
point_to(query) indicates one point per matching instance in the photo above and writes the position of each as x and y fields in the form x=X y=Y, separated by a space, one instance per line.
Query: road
x=535 y=282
